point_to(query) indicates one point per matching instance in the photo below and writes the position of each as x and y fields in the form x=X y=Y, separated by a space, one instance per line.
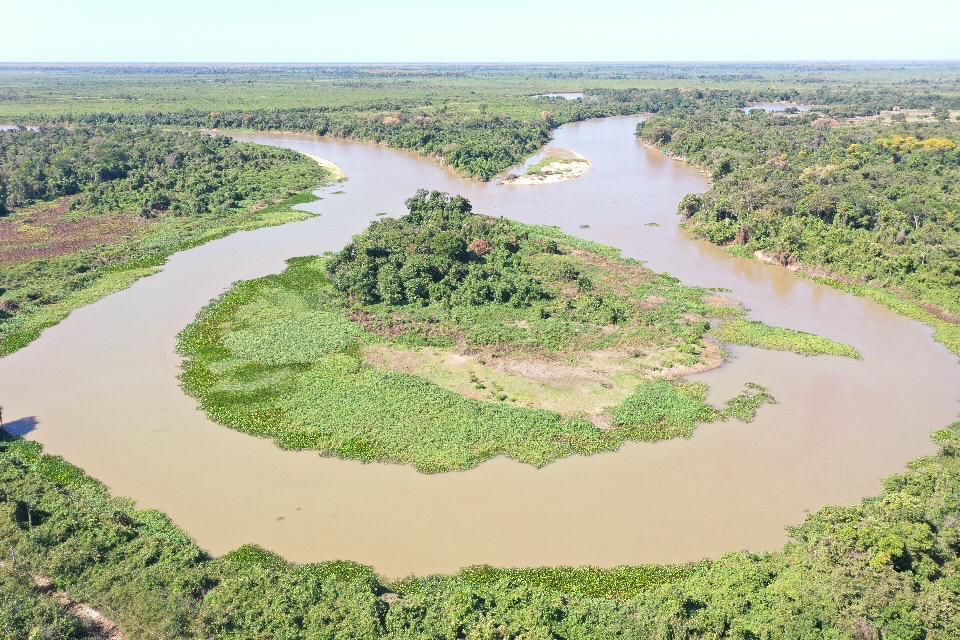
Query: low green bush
x=764 y=336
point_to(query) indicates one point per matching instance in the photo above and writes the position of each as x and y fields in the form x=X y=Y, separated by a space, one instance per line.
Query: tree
x=941 y=113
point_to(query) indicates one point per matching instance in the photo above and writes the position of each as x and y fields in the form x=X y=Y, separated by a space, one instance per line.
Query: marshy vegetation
x=887 y=567
x=443 y=338
x=85 y=211
x=759 y=334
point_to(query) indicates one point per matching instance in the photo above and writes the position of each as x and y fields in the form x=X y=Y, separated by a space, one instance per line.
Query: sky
x=488 y=31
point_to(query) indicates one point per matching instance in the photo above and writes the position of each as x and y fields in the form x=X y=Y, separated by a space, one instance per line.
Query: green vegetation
x=758 y=334
x=620 y=583
x=871 y=206
x=438 y=254
x=553 y=164
x=479 y=119
x=147 y=575
x=26 y=612
x=514 y=320
x=88 y=210
x=885 y=568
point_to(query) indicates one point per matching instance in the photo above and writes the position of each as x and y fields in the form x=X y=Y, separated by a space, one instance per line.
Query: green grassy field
x=758 y=334
x=52 y=90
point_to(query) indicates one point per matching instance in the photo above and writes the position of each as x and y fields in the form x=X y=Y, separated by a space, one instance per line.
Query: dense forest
x=131 y=170
x=865 y=204
x=84 y=210
x=439 y=253
x=887 y=568
x=477 y=139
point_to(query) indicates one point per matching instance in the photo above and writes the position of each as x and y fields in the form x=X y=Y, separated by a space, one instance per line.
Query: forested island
x=445 y=337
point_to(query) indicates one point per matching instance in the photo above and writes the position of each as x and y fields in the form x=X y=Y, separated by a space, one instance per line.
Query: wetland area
x=839 y=426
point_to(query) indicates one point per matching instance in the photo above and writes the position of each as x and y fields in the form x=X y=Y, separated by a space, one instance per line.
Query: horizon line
x=480 y=62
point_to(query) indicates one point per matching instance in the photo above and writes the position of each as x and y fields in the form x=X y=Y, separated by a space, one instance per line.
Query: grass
x=552 y=164
x=280 y=357
x=764 y=336
x=63 y=288
x=619 y=583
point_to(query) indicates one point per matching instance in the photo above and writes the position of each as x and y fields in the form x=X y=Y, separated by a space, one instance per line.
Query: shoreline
x=287 y=542
x=558 y=165
x=337 y=173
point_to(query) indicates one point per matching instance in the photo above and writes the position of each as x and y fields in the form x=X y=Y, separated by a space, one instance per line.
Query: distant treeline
x=480 y=143
x=482 y=137
x=123 y=169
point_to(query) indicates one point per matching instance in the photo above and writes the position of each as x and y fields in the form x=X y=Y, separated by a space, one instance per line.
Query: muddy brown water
x=102 y=389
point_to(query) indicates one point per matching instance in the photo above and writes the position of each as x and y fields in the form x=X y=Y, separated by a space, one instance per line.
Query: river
x=100 y=389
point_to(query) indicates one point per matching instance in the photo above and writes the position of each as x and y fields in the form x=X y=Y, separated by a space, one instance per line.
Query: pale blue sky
x=494 y=30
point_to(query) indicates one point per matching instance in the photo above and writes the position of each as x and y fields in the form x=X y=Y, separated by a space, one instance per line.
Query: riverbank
x=120 y=414
x=335 y=173
x=61 y=252
x=904 y=278
x=142 y=571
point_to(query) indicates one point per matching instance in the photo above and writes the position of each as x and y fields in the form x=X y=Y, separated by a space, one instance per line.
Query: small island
x=444 y=338
x=557 y=165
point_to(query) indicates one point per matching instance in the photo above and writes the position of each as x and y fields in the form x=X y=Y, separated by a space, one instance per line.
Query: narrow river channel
x=103 y=392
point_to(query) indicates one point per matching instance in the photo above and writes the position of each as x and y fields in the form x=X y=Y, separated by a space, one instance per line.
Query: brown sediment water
x=102 y=388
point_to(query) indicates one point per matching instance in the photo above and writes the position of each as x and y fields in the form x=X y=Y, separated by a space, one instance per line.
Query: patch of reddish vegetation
x=941 y=313
x=479 y=247
x=46 y=232
x=395 y=327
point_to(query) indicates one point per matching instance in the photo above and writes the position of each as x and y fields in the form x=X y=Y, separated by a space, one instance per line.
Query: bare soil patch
x=619 y=275
x=909 y=115
x=93 y=620
x=586 y=384
x=559 y=165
